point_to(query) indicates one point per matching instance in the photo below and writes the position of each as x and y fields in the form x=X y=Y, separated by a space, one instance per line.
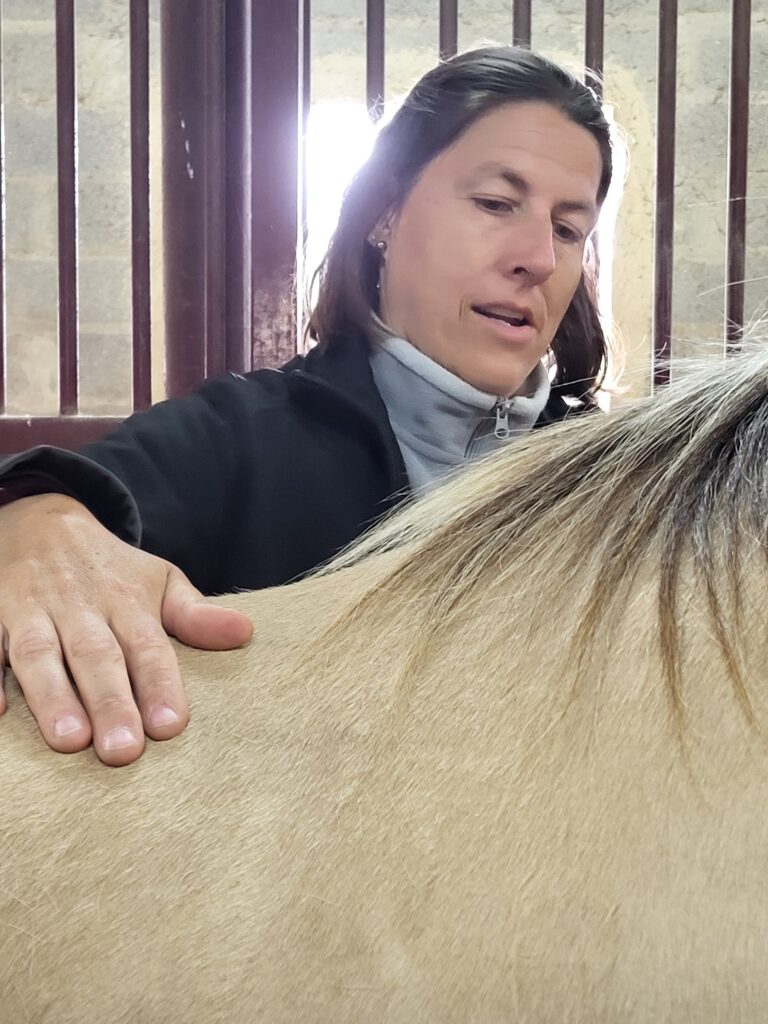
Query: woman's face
x=485 y=254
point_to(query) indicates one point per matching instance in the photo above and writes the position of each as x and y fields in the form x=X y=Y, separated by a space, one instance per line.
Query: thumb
x=191 y=619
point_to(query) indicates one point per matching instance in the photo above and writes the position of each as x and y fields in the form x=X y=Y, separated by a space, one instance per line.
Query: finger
x=34 y=652
x=3 y=663
x=192 y=620
x=154 y=674
x=98 y=668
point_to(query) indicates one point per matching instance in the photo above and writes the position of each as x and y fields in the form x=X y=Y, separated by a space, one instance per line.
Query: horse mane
x=680 y=478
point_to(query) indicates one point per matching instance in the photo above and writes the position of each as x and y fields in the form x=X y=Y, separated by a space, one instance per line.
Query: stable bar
x=182 y=28
x=738 y=149
x=594 y=44
x=449 y=28
x=665 y=191
x=19 y=433
x=374 y=62
x=277 y=63
x=140 y=240
x=521 y=23
x=238 y=185
x=305 y=92
x=2 y=224
x=66 y=122
x=215 y=188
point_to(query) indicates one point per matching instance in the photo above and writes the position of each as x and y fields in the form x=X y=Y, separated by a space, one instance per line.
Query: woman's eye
x=568 y=234
x=494 y=205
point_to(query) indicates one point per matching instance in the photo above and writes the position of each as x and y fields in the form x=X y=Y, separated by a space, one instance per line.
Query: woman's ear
x=385 y=224
x=380 y=232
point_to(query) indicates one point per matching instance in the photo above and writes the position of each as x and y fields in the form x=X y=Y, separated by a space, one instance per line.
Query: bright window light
x=340 y=136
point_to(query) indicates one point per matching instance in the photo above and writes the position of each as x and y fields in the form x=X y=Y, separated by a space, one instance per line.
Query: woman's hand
x=74 y=598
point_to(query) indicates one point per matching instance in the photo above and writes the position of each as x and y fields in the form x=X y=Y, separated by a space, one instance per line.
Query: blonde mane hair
x=680 y=478
x=502 y=761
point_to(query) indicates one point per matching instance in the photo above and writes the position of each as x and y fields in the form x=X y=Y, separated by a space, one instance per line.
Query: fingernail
x=66 y=726
x=118 y=738
x=163 y=716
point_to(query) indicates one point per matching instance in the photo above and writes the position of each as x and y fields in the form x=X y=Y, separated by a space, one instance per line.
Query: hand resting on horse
x=81 y=608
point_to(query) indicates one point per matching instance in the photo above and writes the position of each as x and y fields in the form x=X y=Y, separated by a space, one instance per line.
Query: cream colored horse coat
x=343 y=835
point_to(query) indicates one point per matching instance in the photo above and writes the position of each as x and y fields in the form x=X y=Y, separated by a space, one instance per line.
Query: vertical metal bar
x=665 y=190
x=594 y=53
x=738 y=149
x=306 y=106
x=182 y=28
x=66 y=118
x=215 y=185
x=449 y=28
x=277 y=63
x=594 y=44
x=374 y=66
x=238 y=185
x=142 y=341
x=2 y=223
x=521 y=23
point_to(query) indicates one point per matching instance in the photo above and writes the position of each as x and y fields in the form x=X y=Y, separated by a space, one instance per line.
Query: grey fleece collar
x=440 y=421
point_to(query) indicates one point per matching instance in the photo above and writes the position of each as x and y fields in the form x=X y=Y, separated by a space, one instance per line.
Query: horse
x=504 y=760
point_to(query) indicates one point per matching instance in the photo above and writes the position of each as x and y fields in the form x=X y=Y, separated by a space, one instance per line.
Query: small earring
x=381 y=245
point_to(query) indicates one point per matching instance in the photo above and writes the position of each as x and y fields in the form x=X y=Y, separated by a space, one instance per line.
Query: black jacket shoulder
x=251 y=480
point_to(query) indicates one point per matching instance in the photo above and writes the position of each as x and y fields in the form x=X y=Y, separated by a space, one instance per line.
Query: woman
x=457 y=265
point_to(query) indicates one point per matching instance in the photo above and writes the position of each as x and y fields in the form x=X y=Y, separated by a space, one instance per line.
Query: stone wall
x=338 y=36
x=104 y=204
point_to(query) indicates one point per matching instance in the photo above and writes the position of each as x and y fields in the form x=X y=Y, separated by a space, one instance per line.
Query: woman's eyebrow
x=518 y=182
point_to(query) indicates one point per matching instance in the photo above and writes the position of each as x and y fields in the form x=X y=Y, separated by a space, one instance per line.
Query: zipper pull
x=502 y=430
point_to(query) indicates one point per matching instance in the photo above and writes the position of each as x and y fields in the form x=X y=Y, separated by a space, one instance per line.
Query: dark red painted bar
x=665 y=190
x=305 y=90
x=66 y=118
x=2 y=223
x=18 y=434
x=521 y=23
x=374 y=66
x=182 y=29
x=238 y=185
x=449 y=28
x=277 y=63
x=594 y=43
x=215 y=189
x=738 y=150
x=142 y=340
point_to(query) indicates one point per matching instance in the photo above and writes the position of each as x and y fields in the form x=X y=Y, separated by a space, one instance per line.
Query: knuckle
x=138 y=592
x=159 y=686
x=149 y=643
x=112 y=704
x=93 y=645
x=51 y=702
x=32 y=644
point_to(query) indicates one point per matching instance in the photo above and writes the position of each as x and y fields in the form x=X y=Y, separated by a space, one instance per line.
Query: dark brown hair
x=439 y=108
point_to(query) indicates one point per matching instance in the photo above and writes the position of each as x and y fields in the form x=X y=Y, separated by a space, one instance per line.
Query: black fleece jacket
x=251 y=481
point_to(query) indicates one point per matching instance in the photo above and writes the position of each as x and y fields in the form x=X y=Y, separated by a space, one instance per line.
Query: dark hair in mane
x=677 y=482
x=439 y=108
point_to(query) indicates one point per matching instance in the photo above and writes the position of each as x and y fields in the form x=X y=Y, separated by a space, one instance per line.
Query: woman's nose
x=530 y=249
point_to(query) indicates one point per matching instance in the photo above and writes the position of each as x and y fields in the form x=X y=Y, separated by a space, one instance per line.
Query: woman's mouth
x=507 y=323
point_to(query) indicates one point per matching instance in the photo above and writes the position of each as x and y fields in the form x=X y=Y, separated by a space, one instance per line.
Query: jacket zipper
x=502 y=408
x=501 y=429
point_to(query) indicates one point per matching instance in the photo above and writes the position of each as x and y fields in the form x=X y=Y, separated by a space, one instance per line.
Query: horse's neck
x=482 y=818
